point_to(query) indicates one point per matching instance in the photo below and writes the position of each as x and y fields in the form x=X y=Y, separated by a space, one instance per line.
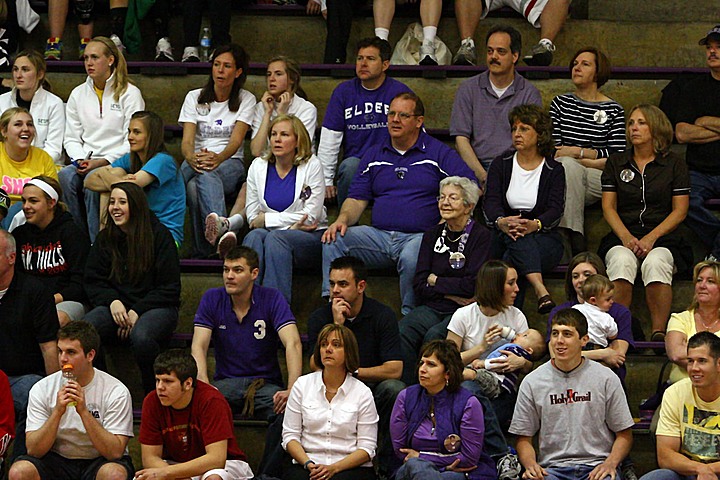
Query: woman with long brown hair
x=132 y=278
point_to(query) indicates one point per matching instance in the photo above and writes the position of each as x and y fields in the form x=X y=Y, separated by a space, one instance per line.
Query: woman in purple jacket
x=437 y=426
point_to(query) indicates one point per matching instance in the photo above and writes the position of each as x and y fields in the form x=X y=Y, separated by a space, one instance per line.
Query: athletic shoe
x=466 y=54
x=81 y=47
x=508 y=467
x=541 y=55
x=226 y=243
x=488 y=383
x=215 y=227
x=427 y=54
x=53 y=49
x=191 y=54
x=118 y=43
x=628 y=472
x=163 y=51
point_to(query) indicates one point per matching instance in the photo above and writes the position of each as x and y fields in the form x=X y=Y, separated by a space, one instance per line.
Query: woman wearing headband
x=52 y=247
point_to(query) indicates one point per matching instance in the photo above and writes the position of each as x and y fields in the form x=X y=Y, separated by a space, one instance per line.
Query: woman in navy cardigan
x=525 y=199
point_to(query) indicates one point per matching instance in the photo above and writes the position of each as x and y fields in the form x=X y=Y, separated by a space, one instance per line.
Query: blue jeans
x=206 y=193
x=574 y=472
x=12 y=211
x=286 y=249
x=419 y=469
x=345 y=174
x=233 y=389
x=414 y=330
x=20 y=386
x=699 y=218
x=152 y=330
x=74 y=195
x=378 y=249
x=665 y=474
x=494 y=443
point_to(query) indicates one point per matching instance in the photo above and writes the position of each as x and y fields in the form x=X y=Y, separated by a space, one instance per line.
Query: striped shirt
x=596 y=125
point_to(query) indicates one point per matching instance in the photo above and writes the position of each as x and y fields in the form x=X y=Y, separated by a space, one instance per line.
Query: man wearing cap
x=28 y=332
x=698 y=126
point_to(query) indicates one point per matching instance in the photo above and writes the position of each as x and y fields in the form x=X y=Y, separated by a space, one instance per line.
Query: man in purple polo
x=401 y=175
x=246 y=323
x=479 y=119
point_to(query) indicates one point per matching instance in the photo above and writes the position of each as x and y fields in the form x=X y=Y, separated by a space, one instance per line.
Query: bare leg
x=535 y=279
x=57 y=16
x=552 y=18
x=623 y=292
x=430 y=11
x=86 y=31
x=383 y=13
x=659 y=302
x=239 y=206
x=468 y=13
x=63 y=318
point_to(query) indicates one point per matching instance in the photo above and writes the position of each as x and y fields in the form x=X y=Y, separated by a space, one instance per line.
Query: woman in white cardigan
x=46 y=108
x=285 y=211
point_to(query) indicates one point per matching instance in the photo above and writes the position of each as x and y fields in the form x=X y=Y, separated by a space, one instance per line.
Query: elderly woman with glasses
x=450 y=256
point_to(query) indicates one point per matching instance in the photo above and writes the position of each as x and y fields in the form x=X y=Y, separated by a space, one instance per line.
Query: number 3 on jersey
x=260 y=325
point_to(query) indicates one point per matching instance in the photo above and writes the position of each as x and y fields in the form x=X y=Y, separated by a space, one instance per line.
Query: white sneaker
x=215 y=227
x=118 y=43
x=427 y=54
x=191 y=54
x=227 y=242
x=466 y=54
x=163 y=51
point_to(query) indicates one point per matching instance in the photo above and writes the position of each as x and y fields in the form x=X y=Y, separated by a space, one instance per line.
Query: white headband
x=45 y=187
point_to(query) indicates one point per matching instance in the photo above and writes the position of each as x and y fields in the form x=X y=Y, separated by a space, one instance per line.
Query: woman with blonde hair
x=19 y=159
x=31 y=91
x=646 y=194
x=97 y=120
x=285 y=205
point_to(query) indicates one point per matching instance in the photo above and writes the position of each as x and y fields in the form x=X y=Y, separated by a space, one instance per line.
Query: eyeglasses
x=402 y=115
x=452 y=198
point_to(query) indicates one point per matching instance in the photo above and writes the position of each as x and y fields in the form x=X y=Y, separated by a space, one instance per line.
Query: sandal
x=545 y=304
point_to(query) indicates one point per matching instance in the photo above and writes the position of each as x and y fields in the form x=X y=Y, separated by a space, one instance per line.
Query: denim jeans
x=664 y=474
x=414 y=329
x=74 y=195
x=286 y=249
x=699 y=218
x=572 y=472
x=233 y=389
x=14 y=209
x=384 y=394
x=378 y=249
x=206 y=193
x=20 y=386
x=152 y=330
x=494 y=444
x=345 y=174
x=419 y=469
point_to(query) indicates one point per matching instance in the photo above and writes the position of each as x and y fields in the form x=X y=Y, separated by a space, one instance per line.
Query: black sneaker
x=541 y=55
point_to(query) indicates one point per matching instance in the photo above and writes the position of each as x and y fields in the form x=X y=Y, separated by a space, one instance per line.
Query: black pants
x=219 y=11
x=339 y=22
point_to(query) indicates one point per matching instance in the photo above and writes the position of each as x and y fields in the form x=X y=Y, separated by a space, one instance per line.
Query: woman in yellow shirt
x=19 y=160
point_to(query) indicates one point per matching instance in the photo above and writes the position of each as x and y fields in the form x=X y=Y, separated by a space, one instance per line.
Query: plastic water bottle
x=205 y=44
x=68 y=373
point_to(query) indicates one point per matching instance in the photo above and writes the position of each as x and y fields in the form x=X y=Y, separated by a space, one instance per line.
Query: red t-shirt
x=185 y=433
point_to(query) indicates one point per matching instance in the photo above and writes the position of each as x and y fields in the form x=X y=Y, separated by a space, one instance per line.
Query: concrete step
x=660 y=11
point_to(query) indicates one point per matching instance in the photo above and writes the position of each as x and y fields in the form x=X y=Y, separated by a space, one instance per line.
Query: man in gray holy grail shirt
x=577 y=407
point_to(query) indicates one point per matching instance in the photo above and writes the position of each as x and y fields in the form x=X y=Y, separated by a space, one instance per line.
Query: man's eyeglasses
x=402 y=115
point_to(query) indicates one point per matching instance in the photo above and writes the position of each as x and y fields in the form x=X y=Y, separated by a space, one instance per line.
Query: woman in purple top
x=582 y=266
x=450 y=256
x=437 y=426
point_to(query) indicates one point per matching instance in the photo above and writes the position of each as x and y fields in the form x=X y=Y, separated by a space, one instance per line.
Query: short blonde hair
x=714 y=266
x=661 y=129
x=7 y=115
x=303 y=150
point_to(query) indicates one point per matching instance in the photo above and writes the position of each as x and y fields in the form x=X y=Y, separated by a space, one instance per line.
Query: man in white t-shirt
x=687 y=433
x=77 y=429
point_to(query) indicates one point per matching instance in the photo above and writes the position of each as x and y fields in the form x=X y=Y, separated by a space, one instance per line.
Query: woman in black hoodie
x=132 y=278
x=52 y=247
